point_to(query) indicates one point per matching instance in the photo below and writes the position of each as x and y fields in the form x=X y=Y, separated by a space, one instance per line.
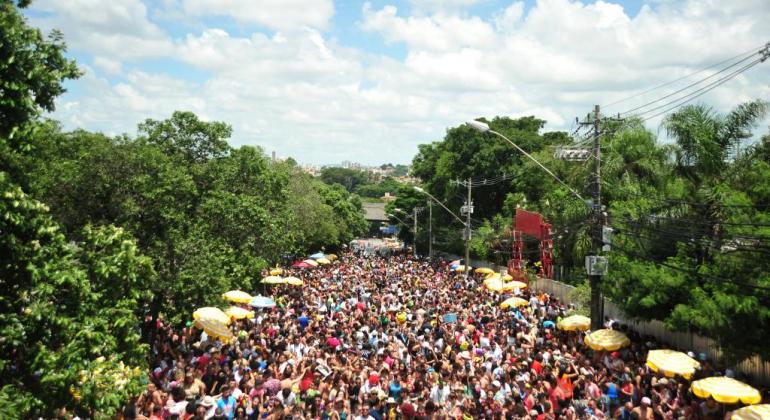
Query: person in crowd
x=375 y=337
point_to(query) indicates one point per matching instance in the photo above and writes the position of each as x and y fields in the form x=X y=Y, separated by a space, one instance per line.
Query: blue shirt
x=227 y=406
x=395 y=390
x=303 y=321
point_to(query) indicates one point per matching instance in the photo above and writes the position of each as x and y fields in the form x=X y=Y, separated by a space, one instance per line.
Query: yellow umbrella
x=574 y=323
x=494 y=284
x=752 y=412
x=237 y=296
x=607 y=340
x=726 y=390
x=214 y=328
x=311 y=262
x=484 y=270
x=516 y=302
x=276 y=271
x=323 y=261
x=462 y=268
x=211 y=313
x=238 y=312
x=293 y=281
x=331 y=257
x=514 y=285
x=671 y=363
x=272 y=280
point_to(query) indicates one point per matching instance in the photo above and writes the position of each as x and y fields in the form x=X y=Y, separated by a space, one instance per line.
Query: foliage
x=378 y=189
x=348 y=178
x=64 y=307
x=690 y=217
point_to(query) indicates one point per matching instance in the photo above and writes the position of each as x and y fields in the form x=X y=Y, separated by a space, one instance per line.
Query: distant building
x=388 y=198
x=374 y=213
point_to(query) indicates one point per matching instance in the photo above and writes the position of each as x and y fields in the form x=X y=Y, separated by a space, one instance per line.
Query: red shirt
x=537 y=367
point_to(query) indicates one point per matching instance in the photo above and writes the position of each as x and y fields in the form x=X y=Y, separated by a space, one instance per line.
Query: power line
x=702 y=91
x=760 y=53
x=753 y=51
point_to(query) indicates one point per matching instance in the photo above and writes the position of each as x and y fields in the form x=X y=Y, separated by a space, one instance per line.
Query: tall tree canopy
x=690 y=216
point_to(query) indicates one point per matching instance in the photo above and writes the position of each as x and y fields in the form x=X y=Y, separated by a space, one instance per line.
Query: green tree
x=69 y=313
x=187 y=137
x=348 y=178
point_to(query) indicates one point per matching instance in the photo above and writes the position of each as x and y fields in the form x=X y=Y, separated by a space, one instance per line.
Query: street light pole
x=467 y=231
x=430 y=230
x=466 y=223
x=414 y=247
x=484 y=128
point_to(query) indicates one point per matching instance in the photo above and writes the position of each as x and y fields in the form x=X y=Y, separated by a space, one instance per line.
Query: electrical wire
x=752 y=51
x=700 y=92
x=691 y=84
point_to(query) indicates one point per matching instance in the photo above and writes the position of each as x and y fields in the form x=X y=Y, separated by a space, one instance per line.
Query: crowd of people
x=374 y=337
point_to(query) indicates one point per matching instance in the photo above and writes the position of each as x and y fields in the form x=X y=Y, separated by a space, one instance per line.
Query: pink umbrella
x=301 y=264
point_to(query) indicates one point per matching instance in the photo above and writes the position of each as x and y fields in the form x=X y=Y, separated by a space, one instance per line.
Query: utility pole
x=414 y=246
x=430 y=229
x=468 y=209
x=597 y=315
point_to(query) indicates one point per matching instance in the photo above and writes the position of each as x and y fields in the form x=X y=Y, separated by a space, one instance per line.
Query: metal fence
x=755 y=368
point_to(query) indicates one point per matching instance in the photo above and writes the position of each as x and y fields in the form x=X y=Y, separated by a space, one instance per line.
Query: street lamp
x=484 y=128
x=467 y=226
x=414 y=219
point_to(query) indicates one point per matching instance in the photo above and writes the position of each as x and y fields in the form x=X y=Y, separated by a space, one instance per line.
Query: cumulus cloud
x=275 y=14
x=114 y=29
x=302 y=92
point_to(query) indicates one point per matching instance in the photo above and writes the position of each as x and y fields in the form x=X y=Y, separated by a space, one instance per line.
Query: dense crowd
x=374 y=337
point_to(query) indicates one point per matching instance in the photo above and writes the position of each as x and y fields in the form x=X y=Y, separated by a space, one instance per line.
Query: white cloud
x=275 y=14
x=510 y=17
x=438 y=32
x=117 y=28
x=109 y=66
x=428 y=6
x=302 y=92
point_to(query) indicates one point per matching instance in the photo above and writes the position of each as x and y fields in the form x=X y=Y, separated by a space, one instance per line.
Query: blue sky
x=325 y=81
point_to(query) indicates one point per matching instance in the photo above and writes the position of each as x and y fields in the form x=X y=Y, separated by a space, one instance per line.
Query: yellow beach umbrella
x=462 y=268
x=293 y=281
x=515 y=302
x=323 y=261
x=607 y=339
x=276 y=271
x=214 y=328
x=726 y=390
x=494 y=284
x=311 y=262
x=752 y=412
x=484 y=270
x=331 y=257
x=209 y=312
x=237 y=296
x=272 y=280
x=672 y=363
x=574 y=323
x=238 y=312
x=514 y=285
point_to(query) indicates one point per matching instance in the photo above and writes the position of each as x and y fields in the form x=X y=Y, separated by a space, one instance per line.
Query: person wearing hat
x=644 y=411
x=205 y=408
